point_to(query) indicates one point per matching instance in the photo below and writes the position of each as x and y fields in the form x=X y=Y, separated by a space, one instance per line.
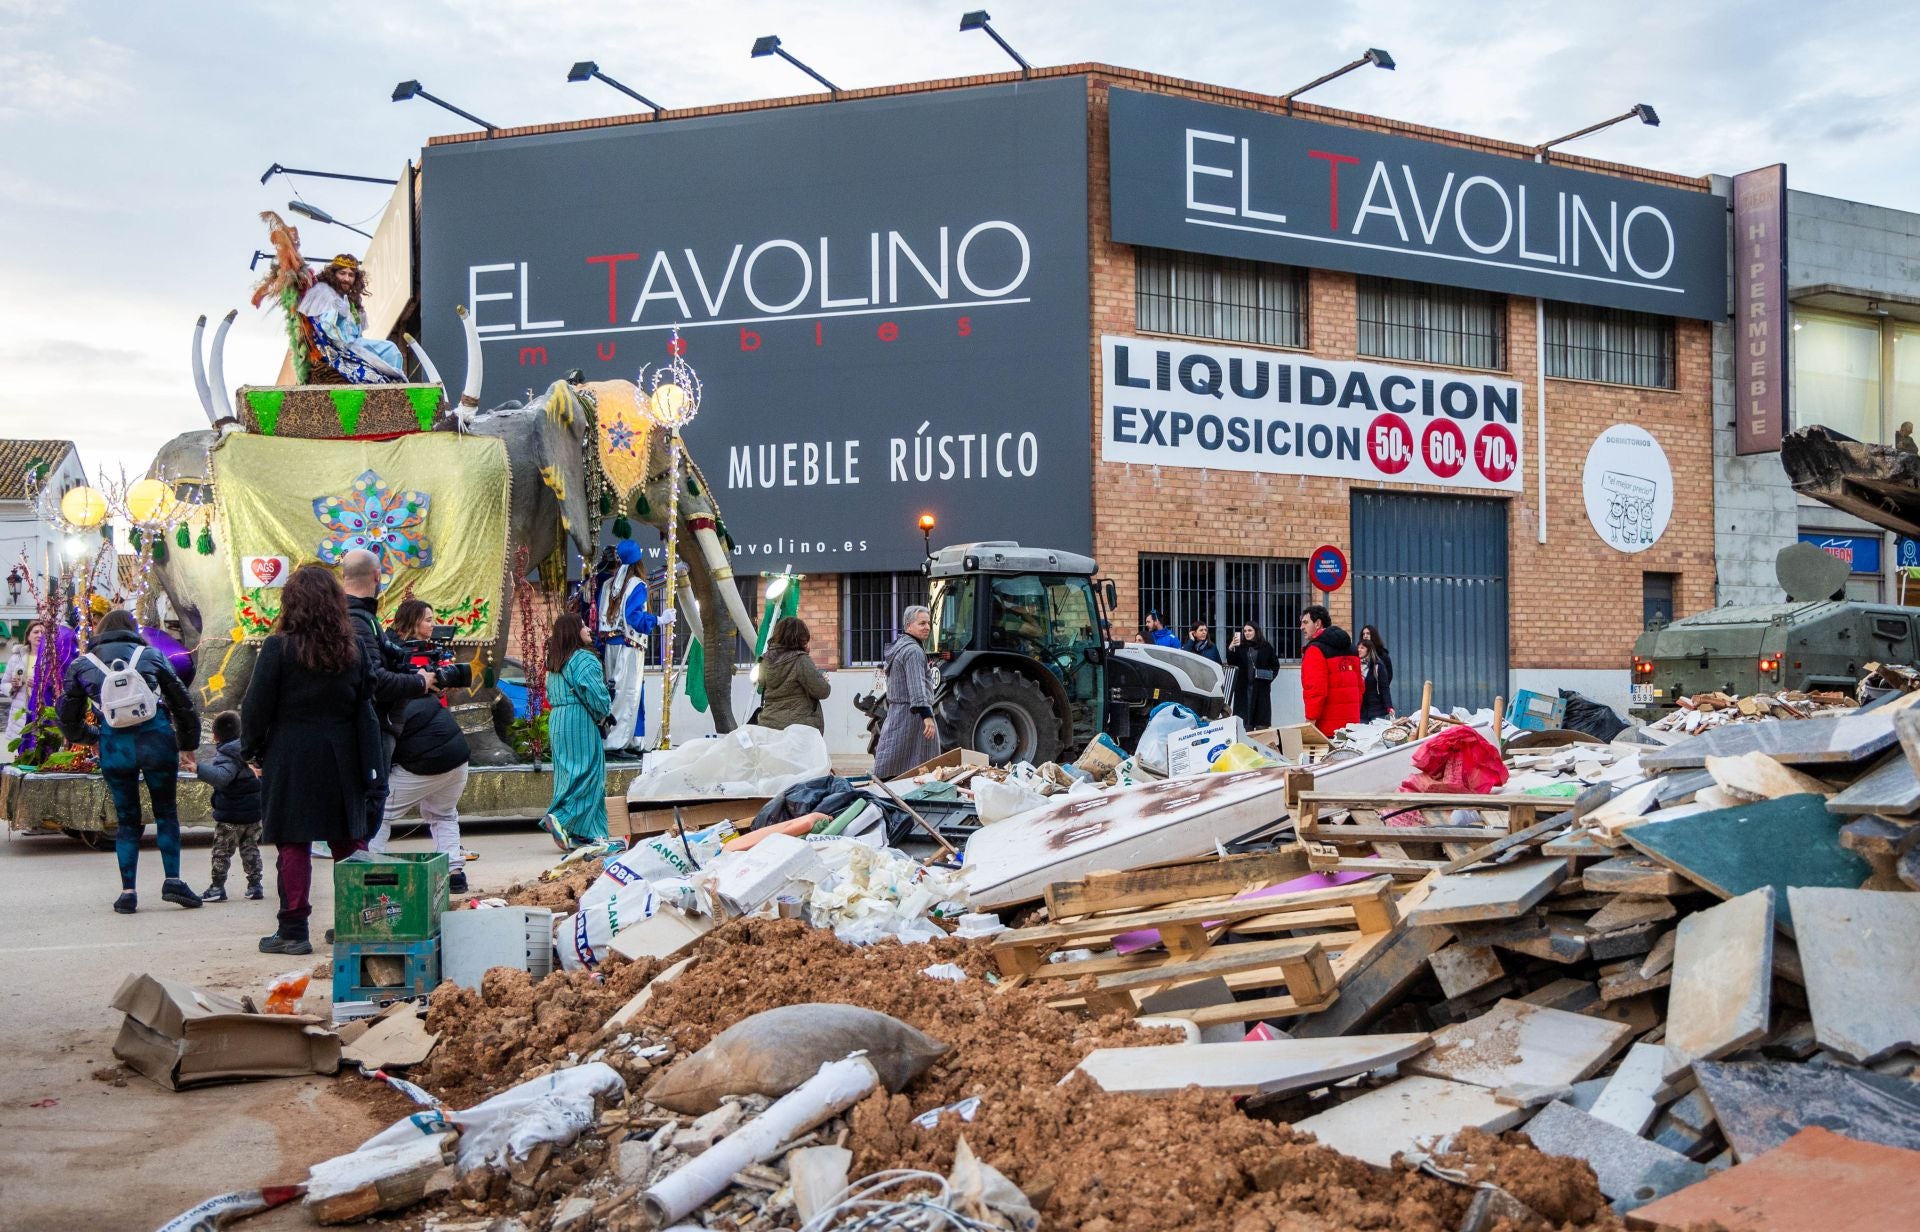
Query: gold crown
x=346 y=260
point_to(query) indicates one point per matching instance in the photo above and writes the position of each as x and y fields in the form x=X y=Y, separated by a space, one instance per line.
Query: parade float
x=494 y=517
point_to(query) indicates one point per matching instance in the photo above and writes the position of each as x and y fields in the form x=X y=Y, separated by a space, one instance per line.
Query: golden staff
x=674 y=399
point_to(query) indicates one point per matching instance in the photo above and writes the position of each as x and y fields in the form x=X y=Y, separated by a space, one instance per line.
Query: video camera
x=435 y=654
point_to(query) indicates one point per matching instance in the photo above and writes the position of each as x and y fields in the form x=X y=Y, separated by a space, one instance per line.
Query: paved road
x=133 y=1156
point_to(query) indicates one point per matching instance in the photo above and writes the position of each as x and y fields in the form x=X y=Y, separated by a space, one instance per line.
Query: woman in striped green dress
x=578 y=701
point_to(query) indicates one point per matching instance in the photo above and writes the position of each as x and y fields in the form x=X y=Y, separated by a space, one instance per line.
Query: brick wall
x=1575 y=603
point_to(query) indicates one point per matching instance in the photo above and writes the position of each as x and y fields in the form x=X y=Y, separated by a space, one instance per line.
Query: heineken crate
x=392 y=897
x=384 y=971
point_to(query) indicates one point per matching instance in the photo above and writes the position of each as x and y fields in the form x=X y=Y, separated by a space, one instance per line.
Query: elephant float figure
x=553 y=447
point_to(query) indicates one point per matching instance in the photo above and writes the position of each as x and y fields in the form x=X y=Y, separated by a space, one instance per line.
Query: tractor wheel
x=1002 y=714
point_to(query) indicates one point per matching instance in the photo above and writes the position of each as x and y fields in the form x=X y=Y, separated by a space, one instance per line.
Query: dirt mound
x=562 y=895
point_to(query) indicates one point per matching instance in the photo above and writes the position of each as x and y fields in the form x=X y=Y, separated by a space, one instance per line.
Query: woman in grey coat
x=909 y=735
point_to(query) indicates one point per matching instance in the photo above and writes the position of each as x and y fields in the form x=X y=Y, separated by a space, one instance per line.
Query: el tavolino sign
x=1168 y=403
x=1199 y=177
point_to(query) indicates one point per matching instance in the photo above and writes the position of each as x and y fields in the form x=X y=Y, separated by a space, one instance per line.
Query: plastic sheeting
x=749 y=761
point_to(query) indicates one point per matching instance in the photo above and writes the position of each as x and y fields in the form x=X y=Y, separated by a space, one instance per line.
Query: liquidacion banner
x=1168 y=403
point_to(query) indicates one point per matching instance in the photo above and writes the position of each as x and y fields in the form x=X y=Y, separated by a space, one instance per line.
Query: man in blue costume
x=332 y=307
x=625 y=624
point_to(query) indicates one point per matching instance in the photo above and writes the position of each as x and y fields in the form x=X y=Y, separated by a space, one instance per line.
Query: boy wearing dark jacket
x=236 y=807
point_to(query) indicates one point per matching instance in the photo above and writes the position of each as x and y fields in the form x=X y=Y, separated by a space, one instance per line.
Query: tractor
x=1026 y=667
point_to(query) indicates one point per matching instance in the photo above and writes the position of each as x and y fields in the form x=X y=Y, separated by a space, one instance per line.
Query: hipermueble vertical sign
x=1167 y=402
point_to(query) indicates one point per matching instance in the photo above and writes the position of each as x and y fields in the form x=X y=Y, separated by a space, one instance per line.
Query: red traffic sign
x=1327 y=568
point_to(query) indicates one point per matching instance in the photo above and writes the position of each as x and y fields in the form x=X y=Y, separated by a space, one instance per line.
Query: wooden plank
x=1857 y=950
x=1495 y=894
x=1225 y=911
x=1890 y=787
x=1263 y=1067
x=1761 y=1104
x=1409 y=800
x=1349 y=832
x=1326 y=858
x=1792 y=841
x=1404 y=1115
x=1818 y=1179
x=1722 y=980
x=1504 y=843
x=1108 y=890
x=1229 y=958
x=1516 y=1042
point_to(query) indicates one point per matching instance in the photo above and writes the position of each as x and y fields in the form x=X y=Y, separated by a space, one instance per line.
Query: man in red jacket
x=1331 y=682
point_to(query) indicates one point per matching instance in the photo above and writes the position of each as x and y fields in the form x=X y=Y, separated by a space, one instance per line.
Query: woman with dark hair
x=307 y=721
x=578 y=703
x=136 y=741
x=1376 y=698
x=1254 y=662
x=791 y=687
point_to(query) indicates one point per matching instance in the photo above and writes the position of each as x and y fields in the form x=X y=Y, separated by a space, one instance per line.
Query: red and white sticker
x=257 y=572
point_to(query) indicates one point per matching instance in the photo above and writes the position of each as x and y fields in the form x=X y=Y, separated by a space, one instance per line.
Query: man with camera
x=430 y=754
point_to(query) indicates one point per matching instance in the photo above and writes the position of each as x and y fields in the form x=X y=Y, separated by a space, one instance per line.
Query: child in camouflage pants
x=236 y=807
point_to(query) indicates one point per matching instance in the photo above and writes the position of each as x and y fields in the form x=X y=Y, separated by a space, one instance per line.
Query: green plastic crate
x=394 y=897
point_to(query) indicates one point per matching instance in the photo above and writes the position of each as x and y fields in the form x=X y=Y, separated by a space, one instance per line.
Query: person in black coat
x=1376 y=701
x=150 y=750
x=308 y=722
x=1200 y=641
x=1255 y=662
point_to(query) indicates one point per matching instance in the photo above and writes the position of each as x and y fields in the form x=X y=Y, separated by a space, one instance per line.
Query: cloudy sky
x=135 y=134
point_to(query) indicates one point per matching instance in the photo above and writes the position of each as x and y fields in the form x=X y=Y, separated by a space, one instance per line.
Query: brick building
x=1488 y=586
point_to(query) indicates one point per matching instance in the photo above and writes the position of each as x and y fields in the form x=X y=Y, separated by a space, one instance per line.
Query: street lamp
x=769 y=45
x=259 y=256
x=1643 y=112
x=1375 y=56
x=319 y=215
x=278 y=169
x=926 y=532
x=411 y=89
x=978 y=20
x=587 y=70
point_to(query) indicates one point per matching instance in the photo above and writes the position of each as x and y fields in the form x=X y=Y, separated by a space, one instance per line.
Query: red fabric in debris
x=1459 y=759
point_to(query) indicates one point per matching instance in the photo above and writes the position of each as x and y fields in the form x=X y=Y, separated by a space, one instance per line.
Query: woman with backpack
x=146 y=720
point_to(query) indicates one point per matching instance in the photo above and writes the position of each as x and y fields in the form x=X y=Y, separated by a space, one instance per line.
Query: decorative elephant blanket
x=432 y=506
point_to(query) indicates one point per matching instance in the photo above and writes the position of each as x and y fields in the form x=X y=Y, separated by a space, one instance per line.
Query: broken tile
x=1406 y=1115
x=1633 y=874
x=1490 y=894
x=1722 y=978
x=1817 y=1179
x=1628 y=911
x=1828 y=740
x=1792 y=841
x=1263 y=1067
x=1755 y=776
x=1890 y=787
x=1857 y=950
x=1564 y=994
x=1631 y=1170
x=1627 y=1100
x=1761 y=1104
x=1463 y=968
x=1515 y=1043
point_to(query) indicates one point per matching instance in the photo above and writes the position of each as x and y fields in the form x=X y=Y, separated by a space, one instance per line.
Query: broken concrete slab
x=1463 y=968
x=1877 y=836
x=1631 y=1170
x=1761 y=1104
x=1890 y=787
x=1792 y=841
x=1857 y=950
x=1817 y=1179
x=1517 y=1043
x=1489 y=894
x=1563 y=941
x=1830 y=740
x=1722 y=980
x=1755 y=776
x=1264 y=1067
x=1633 y=874
x=1408 y=1115
x=1628 y=1100
x=1629 y=910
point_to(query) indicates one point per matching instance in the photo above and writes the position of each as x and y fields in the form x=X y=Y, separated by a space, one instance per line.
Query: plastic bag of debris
x=775 y=1051
x=582 y=939
x=995 y=802
x=552 y=1108
x=1166 y=719
x=658 y=858
x=748 y=761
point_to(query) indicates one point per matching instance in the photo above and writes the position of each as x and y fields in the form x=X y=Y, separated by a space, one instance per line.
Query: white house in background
x=26 y=542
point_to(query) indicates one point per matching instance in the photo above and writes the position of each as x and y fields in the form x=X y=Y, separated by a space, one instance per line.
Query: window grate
x=1610 y=345
x=1227 y=592
x=870 y=607
x=1432 y=324
x=742 y=651
x=1219 y=297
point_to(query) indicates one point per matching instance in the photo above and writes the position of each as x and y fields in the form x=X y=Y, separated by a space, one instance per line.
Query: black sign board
x=1199 y=177
x=886 y=301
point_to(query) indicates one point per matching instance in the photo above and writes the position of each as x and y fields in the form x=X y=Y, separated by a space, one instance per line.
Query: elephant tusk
x=218 y=362
x=722 y=570
x=476 y=365
x=200 y=371
x=426 y=363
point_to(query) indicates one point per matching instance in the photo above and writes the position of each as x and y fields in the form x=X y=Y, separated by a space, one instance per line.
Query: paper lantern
x=670 y=404
x=150 y=501
x=83 y=507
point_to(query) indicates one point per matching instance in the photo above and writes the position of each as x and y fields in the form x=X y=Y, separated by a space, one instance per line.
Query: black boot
x=179 y=893
x=281 y=943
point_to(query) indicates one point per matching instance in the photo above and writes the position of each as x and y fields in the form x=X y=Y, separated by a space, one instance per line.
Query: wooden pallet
x=1332 y=930
x=1336 y=842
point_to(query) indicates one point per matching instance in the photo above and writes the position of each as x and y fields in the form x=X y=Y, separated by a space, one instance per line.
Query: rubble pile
x=1705 y=710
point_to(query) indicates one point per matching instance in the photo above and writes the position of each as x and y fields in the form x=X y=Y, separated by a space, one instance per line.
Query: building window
x=1431 y=324
x=870 y=607
x=1656 y=599
x=1219 y=297
x=1610 y=345
x=742 y=651
x=1859 y=376
x=1227 y=592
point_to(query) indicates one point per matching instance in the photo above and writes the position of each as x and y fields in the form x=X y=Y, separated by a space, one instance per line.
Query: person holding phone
x=1254 y=662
